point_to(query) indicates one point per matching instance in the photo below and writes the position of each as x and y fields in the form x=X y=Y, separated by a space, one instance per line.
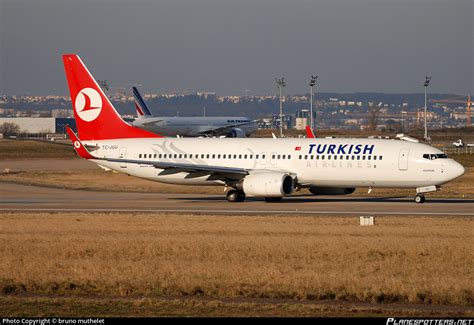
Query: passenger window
x=335 y=157
x=329 y=157
x=256 y=156
x=380 y=157
x=213 y=156
x=347 y=157
x=251 y=156
x=273 y=156
x=375 y=157
x=140 y=155
x=245 y=156
x=279 y=157
x=363 y=157
x=289 y=156
x=317 y=157
x=185 y=156
x=263 y=156
x=300 y=156
x=358 y=157
x=207 y=156
x=322 y=157
x=240 y=156
x=369 y=157
x=305 y=157
x=154 y=156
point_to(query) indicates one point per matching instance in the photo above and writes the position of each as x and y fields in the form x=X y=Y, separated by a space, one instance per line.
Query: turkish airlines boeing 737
x=268 y=168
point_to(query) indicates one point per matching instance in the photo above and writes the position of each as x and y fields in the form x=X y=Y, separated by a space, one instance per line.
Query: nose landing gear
x=419 y=198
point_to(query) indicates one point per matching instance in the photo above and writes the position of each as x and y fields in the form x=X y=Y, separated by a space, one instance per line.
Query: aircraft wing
x=223 y=130
x=183 y=167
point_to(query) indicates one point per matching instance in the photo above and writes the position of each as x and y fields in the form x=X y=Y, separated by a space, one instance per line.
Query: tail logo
x=88 y=104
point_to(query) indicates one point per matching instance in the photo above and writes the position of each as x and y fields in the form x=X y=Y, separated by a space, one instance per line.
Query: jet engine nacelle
x=331 y=190
x=236 y=133
x=271 y=184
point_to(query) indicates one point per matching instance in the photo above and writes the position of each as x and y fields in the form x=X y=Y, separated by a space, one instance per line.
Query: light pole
x=312 y=82
x=426 y=84
x=281 y=83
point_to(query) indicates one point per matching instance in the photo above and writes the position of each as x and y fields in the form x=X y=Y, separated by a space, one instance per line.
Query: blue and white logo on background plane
x=228 y=126
x=259 y=167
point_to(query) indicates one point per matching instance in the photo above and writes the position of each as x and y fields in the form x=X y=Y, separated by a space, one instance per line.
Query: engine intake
x=268 y=184
x=236 y=133
x=331 y=190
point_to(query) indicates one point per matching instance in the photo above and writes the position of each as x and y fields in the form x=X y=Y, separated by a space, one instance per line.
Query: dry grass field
x=401 y=260
x=25 y=149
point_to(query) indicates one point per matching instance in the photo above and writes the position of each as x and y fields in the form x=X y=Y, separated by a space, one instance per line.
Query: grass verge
x=402 y=260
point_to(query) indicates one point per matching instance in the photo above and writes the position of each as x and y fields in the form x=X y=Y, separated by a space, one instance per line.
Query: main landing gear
x=235 y=196
x=419 y=198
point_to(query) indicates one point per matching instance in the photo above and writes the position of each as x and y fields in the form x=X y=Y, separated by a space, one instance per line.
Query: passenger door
x=403 y=159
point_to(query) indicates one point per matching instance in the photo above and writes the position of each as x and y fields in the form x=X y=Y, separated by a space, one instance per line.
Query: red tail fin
x=309 y=132
x=96 y=118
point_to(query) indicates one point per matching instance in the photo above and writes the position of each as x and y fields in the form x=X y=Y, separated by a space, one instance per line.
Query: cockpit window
x=433 y=156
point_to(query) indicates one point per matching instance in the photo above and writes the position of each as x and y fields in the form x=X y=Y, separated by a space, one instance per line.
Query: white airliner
x=190 y=126
x=268 y=168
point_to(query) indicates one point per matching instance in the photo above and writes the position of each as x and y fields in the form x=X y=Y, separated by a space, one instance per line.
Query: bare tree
x=373 y=117
x=9 y=128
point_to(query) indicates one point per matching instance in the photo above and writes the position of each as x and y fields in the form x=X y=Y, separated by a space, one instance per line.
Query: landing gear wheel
x=235 y=196
x=419 y=198
x=273 y=199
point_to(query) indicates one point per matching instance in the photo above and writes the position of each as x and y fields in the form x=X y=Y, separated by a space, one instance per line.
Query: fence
x=458 y=151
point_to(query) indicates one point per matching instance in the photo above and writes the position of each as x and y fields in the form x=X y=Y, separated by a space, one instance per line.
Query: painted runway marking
x=242 y=211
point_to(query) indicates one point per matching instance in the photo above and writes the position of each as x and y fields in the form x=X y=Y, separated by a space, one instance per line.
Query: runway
x=15 y=197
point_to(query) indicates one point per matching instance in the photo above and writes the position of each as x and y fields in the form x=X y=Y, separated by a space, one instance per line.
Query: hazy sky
x=229 y=46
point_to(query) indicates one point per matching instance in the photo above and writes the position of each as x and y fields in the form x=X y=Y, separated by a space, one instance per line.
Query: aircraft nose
x=456 y=169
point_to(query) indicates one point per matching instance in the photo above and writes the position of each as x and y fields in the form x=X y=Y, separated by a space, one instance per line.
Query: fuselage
x=350 y=162
x=194 y=126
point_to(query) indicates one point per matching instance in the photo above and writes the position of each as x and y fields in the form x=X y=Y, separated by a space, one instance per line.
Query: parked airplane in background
x=259 y=167
x=229 y=126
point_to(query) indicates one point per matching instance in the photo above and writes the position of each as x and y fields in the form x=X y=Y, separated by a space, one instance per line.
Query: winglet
x=78 y=145
x=309 y=132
